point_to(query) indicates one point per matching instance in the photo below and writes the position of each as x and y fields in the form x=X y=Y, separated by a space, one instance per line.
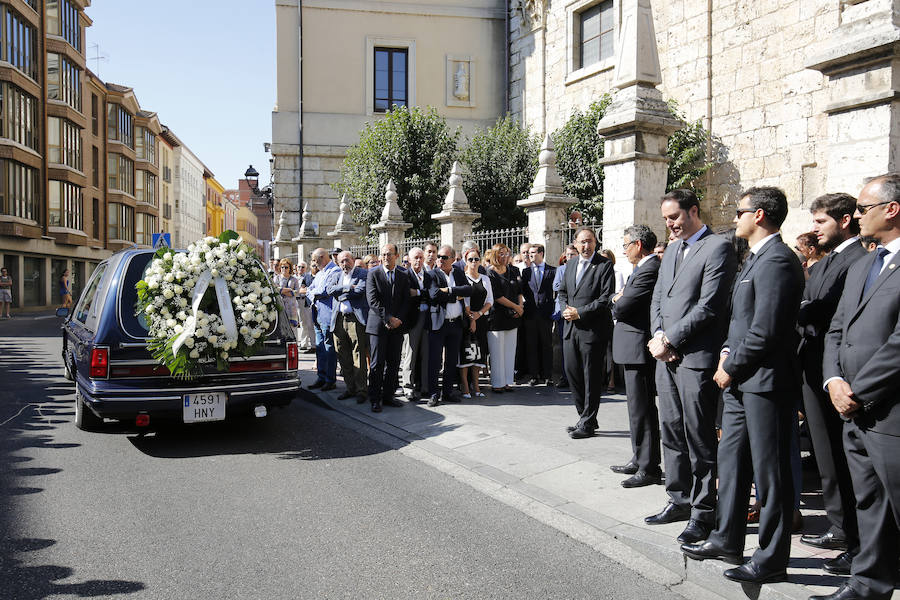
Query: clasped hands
x=394 y=323
x=842 y=397
x=570 y=313
x=661 y=350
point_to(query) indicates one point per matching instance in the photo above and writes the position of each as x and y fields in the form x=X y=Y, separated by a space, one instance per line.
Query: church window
x=597 y=33
x=391 y=79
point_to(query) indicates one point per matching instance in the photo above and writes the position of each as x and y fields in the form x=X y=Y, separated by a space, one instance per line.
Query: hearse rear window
x=135 y=326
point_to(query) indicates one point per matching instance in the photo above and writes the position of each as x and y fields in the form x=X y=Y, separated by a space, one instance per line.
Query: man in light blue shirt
x=326 y=355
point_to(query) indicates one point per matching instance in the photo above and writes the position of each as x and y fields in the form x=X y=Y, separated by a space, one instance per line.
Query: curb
x=650 y=554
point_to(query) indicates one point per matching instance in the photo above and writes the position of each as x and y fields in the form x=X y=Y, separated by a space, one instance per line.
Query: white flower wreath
x=187 y=325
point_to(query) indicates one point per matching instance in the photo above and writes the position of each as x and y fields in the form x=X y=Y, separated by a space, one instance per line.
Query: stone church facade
x=800 y=94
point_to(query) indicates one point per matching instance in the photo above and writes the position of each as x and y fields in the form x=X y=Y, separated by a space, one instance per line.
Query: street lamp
x=251 y=176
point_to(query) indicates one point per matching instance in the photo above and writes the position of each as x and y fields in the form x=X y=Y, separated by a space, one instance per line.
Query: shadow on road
x=34 y=402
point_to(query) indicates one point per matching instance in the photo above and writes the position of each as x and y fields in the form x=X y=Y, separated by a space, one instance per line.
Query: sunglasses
x=739 y=212
x=864 y=208
x=443 y=257
x=473 y=259
x=285 y=267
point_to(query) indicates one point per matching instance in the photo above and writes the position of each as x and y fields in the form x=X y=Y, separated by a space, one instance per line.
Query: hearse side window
x=134 y=325
x=83 y=308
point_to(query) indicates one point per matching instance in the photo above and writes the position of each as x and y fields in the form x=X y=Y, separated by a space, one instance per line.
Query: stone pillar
x=391 y=228
x=286 y=185
x=308 y=239
x=862 y=62
x=345 y=232
x=456 y=216
x=635 y=131
x=547 y=204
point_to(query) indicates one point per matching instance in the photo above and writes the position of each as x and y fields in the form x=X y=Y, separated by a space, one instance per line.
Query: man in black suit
x=689 y=320
x=837 y=232
x=586 y=292
x=862 y=351
x=758 y=371
x=388 y=293
x=445 y=287
x=537 y=289
x=631 y=309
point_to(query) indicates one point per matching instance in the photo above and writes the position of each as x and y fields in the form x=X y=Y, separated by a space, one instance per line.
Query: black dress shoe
x=345 y=395
x=319 y=383
x=361 y=398
x=641 y=479
x=845 y=592
x=708 y=550
x=827 y=541
x=839 y=565
x=629 y=469
x=452 y=397
x=533 y=381
x=328 y=387
x=571 y=428
x=750 y=572
x=393 y=402
x=579 y=434
x=376 y=407
x=670 y=514
x=694 y=533
x=562 y=384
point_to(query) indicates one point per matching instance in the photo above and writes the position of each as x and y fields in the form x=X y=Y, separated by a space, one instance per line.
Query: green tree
x=578 y=153
x=687 y=154
x=413 y=147
x=579 y=150
x=501 y=163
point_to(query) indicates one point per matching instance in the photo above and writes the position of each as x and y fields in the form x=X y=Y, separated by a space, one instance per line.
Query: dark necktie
x=875 y=271
x=679 y=258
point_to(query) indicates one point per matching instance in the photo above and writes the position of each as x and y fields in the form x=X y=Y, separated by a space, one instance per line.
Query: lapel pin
x=891 y=266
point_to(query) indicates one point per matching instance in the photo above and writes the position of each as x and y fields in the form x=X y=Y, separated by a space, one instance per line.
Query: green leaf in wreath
x=228 y=235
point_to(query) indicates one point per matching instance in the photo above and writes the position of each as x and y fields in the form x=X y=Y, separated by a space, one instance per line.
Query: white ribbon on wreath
x=225 y=309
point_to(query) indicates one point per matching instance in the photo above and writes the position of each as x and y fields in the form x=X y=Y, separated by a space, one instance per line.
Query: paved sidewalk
x=518 y=441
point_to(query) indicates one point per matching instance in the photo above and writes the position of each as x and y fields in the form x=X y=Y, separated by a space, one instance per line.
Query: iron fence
x=407 y=244
x=361 y=250
x=512 y=237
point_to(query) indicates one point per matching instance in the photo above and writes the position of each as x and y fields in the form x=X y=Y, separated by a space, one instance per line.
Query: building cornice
x=402 y=8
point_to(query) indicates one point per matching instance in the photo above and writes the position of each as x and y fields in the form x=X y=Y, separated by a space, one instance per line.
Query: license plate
x=204 y=407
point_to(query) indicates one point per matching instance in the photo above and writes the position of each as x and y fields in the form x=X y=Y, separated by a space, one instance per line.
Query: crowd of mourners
x=724 y=344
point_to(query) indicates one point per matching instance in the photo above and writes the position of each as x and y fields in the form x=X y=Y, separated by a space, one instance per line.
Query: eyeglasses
x=625 y=246
x=443 y=257
x=864 y=208
x=285 y=267
x=739 y=212
x=473 y=259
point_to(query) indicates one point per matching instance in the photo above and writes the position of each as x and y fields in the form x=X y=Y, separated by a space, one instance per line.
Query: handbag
x=471 y=350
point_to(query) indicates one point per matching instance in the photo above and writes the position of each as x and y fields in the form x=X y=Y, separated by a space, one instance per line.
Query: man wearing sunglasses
x=862 y=350
x=445 y=287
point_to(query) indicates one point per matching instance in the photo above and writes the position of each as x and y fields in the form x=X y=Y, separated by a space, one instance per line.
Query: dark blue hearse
x=105 y=353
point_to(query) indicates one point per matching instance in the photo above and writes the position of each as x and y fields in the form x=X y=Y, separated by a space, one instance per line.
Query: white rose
x=224 y=355
x=168 y=256
x=267 y=299
x=189 y=342
x=255 y=333
x=169 y=278
x=178 y=289
x=182 y=302
x=162 y=335
x=170 y=323
x=194 y=354
x=220 y=329
x=246 y=315
x=212 y=339
x=244 y=329
x=152 y=284
x=181 y=316
x=150 y=308
x=168 y=294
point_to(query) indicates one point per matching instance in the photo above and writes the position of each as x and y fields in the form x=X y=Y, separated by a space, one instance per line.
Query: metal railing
x=512 y=237
x=361 y=250
x=565 y=233
x=408 y=244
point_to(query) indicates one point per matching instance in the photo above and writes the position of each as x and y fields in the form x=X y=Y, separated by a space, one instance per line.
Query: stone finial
x=345 y=219
x=391 y=210
x=547 y=178
x=306 y=227
x=456 y=198
x=637 y=56
x=279 y=235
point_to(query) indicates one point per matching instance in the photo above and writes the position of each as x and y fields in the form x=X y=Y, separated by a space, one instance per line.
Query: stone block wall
x=766 y=111
x=321 y=169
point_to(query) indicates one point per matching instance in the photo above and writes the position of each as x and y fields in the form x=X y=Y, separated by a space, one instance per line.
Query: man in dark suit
x=414 y=365
x=445 y=286
x=347 y=286
x=537 y=289
x=689 y=320
x=862 y=351
x=586 y=292
x=387 y=291
x=837 y=233
x=631 y=309
x=758 y=371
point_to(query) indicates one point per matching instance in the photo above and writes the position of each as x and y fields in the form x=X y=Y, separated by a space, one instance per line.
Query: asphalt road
x=290 y=506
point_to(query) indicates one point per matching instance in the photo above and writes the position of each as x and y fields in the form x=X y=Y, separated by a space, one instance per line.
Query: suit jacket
x=691 y=306
x=632 y=313
x=764 y=307
x=415 y=302
x=540 y=304
x=863 y=344
x=355 y=294
x=436 y=279
x=591 y=297
x=820 y=300
x=386 y=300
